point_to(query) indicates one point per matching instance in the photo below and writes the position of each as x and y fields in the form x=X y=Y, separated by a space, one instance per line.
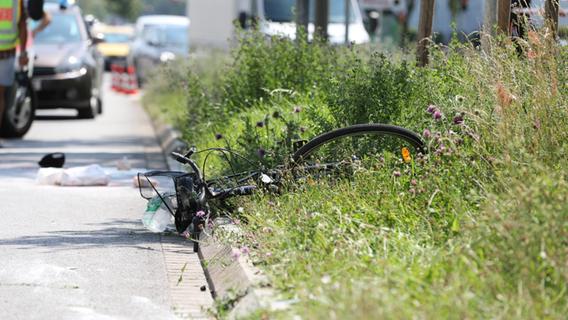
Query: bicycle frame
x=193 y=191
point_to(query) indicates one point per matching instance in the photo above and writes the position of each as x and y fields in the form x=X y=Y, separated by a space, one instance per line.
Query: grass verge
x=477 y=229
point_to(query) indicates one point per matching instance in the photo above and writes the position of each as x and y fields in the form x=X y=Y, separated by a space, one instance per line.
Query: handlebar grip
x=232 y=192
x=244 y=191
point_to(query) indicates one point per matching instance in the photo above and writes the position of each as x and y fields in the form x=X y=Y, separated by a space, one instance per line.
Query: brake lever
x=190 y=152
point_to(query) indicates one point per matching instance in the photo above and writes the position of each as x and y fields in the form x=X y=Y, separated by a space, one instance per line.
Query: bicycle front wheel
x=366 y=145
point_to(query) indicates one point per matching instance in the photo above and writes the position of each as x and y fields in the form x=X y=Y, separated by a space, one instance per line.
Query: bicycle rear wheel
x=362 y=145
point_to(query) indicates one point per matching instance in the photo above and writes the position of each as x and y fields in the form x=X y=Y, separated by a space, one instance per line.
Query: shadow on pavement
x=29 y=160
x=110 y=141
x=115 y=233
x=56 y=117
x=142 y=152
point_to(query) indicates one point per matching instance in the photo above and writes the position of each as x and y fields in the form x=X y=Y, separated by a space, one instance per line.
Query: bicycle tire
x=359 y=129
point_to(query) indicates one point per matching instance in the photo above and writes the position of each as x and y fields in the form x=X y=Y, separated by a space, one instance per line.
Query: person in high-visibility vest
x=13 y=32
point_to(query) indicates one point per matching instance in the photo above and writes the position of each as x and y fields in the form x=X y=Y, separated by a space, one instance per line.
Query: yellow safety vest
x=9 y=18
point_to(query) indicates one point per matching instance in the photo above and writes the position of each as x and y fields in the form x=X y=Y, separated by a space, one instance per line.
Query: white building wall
x=211 y=22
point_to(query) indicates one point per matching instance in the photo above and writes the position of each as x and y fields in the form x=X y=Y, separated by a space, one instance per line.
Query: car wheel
x=99 y=106
x=18 y=116
x=90 y=112
x=139 y=78
x=85 y=113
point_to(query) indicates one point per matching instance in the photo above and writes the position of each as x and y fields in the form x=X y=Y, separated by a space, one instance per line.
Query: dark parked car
x=158 y=39
x=68 y=68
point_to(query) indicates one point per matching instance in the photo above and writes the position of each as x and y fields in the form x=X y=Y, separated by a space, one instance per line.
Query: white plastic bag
x=92 y=175
x=49 y=176
x=157 y=217
x=160 y=220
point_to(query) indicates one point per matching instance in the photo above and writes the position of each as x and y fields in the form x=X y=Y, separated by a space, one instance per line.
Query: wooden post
x=347 y=18
x=302 y=18
x=424 y=30
x=322 y=18
x=551 y=15
x=504 y=16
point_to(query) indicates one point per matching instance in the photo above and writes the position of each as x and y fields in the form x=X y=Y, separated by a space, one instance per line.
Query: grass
x=479 y=228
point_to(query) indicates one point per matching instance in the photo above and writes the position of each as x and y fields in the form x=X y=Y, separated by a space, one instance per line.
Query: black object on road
x=52 y=160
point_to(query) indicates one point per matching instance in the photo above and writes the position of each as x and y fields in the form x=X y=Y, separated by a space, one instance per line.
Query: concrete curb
x=170 y=141
x=232 y=280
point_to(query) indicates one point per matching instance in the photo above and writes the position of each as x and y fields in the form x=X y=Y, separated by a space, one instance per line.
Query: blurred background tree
x=95 y=7
x=176 y=7
x=129 y=10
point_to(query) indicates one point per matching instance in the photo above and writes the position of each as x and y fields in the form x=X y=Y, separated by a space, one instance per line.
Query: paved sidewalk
x=81 y=253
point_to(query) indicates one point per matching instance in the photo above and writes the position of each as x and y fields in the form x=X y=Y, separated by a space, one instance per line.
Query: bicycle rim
x=364 y=146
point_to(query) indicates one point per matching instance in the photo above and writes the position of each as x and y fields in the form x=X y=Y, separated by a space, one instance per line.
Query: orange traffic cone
x=131 y=85
x=123 y=79
x=115 y=85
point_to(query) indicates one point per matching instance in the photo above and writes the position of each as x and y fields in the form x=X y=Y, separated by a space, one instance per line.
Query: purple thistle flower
x=536 y=124
x=431 y=109
x=245 y=250
x=218 y=136
x=200 y=214
x=261 y=153
x=458 y=120
x=235 y=253
x=396 y=174
x=260 y=124
x=426 y=133
x=441 y=149
x=437 y=115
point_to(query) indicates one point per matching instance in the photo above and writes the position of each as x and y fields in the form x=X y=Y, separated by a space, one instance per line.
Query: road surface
x=81 y=252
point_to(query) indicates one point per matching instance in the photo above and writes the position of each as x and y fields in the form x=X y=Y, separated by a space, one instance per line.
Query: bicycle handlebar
x=232 y=192
x=180 y=158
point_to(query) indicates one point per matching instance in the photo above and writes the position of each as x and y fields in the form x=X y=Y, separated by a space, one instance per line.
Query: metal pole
x=504 y=15
x=302 y=18
x=551 y=15
x=347 y=18
x=424 y=30
x=322 y=18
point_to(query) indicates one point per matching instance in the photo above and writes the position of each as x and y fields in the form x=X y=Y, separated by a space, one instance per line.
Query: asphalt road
x=81 y=252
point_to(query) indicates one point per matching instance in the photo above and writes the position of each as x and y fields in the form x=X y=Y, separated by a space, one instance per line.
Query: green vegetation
x=131 y=9
x=478 y=228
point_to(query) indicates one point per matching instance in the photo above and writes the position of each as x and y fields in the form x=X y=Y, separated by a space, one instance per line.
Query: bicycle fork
x=198 y=226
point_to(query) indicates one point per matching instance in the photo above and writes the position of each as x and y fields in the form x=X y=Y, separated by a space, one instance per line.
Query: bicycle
x=189 y=203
